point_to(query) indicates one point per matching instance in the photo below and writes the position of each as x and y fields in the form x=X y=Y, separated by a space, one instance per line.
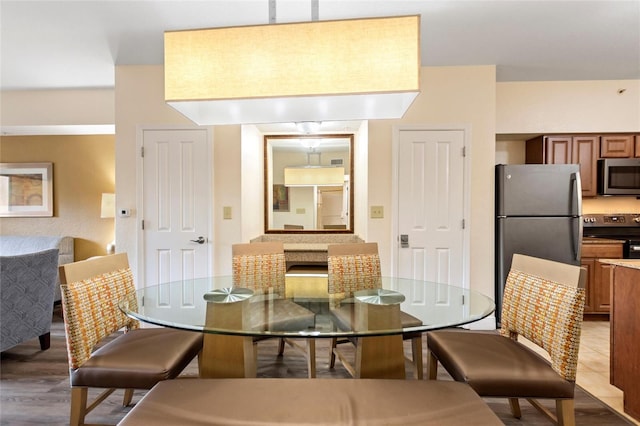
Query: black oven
x=634 y=249
x=619 y=176
x=619 y=226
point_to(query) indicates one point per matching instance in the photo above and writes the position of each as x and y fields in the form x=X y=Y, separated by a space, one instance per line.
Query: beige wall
x=538 y=107
x=139 y=100
x=57 y=107
x=452 y=97
x=83 y=168
x=568 y=106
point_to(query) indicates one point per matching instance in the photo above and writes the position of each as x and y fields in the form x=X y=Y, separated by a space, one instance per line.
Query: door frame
x=466 y=182
x=140 y=241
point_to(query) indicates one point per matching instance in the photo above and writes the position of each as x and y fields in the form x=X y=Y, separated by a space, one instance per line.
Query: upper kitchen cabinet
x=568 y=149
x=618 y=146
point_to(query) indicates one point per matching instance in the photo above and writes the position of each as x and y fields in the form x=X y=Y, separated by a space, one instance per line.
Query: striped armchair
x=543 y=302
x=354 y=267
x=261 y=267
x=137 y=359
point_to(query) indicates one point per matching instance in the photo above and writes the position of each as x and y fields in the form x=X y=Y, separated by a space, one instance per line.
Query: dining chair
x=136 y=359
x=261 y=267
x=543 y=302
x=353 y=267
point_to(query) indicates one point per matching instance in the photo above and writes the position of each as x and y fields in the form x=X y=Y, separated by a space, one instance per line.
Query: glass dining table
x=233 y=317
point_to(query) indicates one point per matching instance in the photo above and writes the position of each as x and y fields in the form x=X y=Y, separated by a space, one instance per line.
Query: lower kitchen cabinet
x=598 y=286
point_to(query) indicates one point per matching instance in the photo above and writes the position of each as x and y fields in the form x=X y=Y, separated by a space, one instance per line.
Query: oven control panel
x=612 y=220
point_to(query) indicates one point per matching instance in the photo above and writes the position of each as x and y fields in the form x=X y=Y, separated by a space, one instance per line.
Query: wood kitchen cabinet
x=597 y=303
x=618 y=146
x=637 y=150
x=568 y=149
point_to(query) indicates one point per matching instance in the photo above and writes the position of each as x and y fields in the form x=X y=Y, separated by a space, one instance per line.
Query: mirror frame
x=269 y=174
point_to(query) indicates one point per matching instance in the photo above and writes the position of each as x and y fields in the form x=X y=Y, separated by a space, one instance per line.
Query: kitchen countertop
x=629 y=263
x=596 y=240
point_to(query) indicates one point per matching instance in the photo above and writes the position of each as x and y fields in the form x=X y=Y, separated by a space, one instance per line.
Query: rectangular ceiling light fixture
x=313 y=175
x=310 y=71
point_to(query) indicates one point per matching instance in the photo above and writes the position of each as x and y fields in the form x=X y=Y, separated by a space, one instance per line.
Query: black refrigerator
x=538 y=213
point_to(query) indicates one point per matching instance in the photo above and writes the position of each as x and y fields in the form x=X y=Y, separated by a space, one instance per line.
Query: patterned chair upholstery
x=261 y=267
x=354 y=267
x=543 y=302
x=26 y=297
x=137 y=359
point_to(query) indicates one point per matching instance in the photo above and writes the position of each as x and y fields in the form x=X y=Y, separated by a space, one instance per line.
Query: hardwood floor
x=34 y=386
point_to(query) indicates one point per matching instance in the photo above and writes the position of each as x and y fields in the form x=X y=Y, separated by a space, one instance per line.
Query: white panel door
x=430 y=211
x=176 y=206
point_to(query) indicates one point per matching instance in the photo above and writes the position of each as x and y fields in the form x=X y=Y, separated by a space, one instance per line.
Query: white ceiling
x=75 y=44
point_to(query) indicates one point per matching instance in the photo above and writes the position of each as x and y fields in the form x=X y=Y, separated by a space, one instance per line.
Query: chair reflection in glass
x=354 y=267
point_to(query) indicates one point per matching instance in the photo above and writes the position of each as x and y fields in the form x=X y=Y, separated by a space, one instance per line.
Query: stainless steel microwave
x=619 y=176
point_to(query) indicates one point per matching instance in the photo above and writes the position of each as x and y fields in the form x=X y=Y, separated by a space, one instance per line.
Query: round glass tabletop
x=386 y=306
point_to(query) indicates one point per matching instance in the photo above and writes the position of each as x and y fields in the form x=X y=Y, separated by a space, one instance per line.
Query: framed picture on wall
x=280 y=198
x=26 y=189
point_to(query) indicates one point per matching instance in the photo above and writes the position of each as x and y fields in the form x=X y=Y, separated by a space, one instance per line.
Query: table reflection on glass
x=233 y=317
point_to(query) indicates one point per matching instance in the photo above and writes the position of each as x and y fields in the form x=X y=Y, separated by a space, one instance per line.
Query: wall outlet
x=377 y=212
x=226 y=212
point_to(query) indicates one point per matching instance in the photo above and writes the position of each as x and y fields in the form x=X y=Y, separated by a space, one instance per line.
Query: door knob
x=200 y=240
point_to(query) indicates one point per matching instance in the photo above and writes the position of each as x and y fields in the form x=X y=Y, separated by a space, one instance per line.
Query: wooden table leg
x=223 y=355
x=379 y=356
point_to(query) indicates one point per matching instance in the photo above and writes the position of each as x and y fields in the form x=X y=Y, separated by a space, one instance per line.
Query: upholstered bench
x=310 y=402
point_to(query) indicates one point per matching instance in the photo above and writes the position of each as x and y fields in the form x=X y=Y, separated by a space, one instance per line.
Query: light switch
x=301 y=211
x=377 y=212
x=226 y=212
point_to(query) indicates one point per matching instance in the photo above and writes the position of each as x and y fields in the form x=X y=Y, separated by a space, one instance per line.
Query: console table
x=307 y=249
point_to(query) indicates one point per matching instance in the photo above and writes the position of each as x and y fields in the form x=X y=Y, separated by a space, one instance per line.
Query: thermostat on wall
x=124 y=212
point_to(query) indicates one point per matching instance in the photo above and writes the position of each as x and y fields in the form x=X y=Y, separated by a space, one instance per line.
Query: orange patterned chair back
x=544 y=302
x=91 y=290
x=260 y=267
x=353 y=267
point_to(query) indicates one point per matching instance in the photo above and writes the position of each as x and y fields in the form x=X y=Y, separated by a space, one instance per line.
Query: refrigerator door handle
x=576 y=199
x=577 y=241
x=576 y=196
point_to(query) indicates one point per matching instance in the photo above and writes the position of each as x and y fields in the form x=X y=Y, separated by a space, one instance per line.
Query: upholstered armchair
x=354 y=267
x=27 y=285
x=261 y=267
x=543 y=302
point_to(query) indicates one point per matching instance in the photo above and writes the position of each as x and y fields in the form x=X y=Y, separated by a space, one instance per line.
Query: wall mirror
x=308 y=183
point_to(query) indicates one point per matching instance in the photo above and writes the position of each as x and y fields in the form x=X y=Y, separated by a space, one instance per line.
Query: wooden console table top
x=306 y=247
